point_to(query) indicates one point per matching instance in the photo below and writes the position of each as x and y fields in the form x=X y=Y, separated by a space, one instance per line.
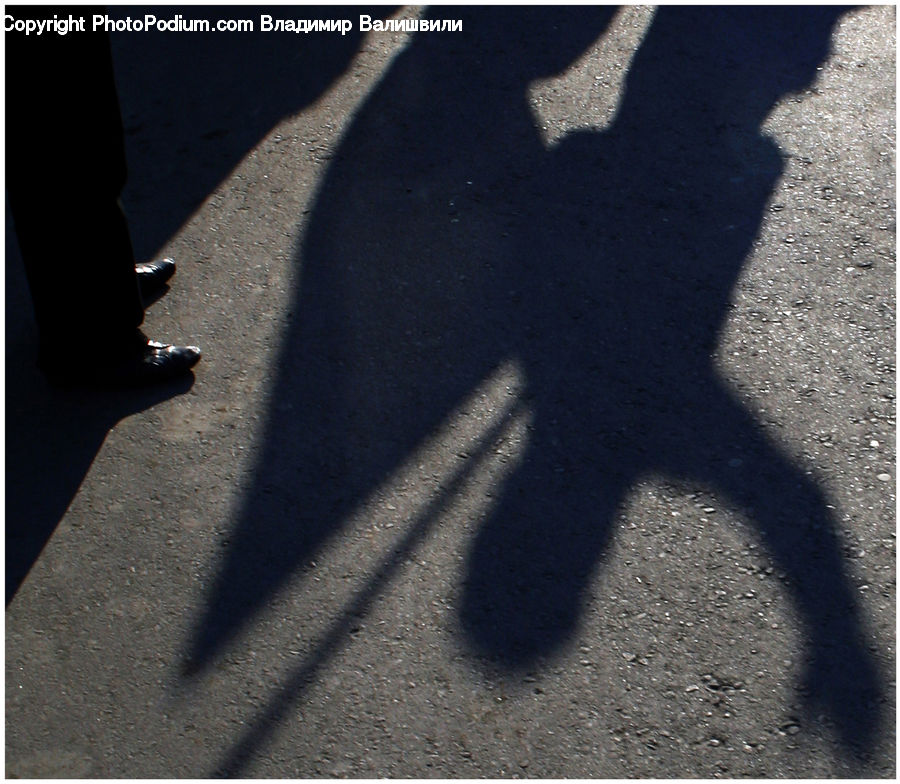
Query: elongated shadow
x=654 y=219
x=447 y=239
x=390 y=331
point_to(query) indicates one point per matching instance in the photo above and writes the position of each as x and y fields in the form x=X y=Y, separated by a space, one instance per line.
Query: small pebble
x=884 y=477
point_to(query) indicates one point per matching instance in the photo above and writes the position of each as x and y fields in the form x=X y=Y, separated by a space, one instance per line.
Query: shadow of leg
x=532 y=561
x=796 y=526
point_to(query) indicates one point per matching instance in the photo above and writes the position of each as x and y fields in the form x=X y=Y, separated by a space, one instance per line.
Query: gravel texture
x=545 y=424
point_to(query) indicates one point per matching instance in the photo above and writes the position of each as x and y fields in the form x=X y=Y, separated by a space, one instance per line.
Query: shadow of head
x=740 y=60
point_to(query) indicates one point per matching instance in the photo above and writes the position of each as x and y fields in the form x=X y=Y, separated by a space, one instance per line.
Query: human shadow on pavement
x=447 y=239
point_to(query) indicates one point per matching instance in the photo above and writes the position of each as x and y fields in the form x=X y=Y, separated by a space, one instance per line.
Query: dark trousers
x=65 y=170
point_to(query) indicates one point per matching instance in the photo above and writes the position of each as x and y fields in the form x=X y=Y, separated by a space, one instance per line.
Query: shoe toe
x=153 y=276
x=160 y=270
x=171 y=358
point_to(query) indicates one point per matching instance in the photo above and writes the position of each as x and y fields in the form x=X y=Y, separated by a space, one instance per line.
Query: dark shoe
x=140 y=364
x=153 y=275
x=154 y=363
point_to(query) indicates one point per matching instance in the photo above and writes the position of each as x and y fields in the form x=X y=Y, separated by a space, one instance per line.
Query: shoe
x=154 y=363
x=142 y=363
x=153 y=275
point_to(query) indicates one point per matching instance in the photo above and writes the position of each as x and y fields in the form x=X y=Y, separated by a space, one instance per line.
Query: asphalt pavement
x=546 y=421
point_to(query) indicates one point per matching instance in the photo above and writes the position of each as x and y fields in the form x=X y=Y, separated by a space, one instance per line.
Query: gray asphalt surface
x=545 y=425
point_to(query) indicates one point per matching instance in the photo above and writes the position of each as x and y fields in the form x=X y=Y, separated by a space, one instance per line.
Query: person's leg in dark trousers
x=65 y=166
